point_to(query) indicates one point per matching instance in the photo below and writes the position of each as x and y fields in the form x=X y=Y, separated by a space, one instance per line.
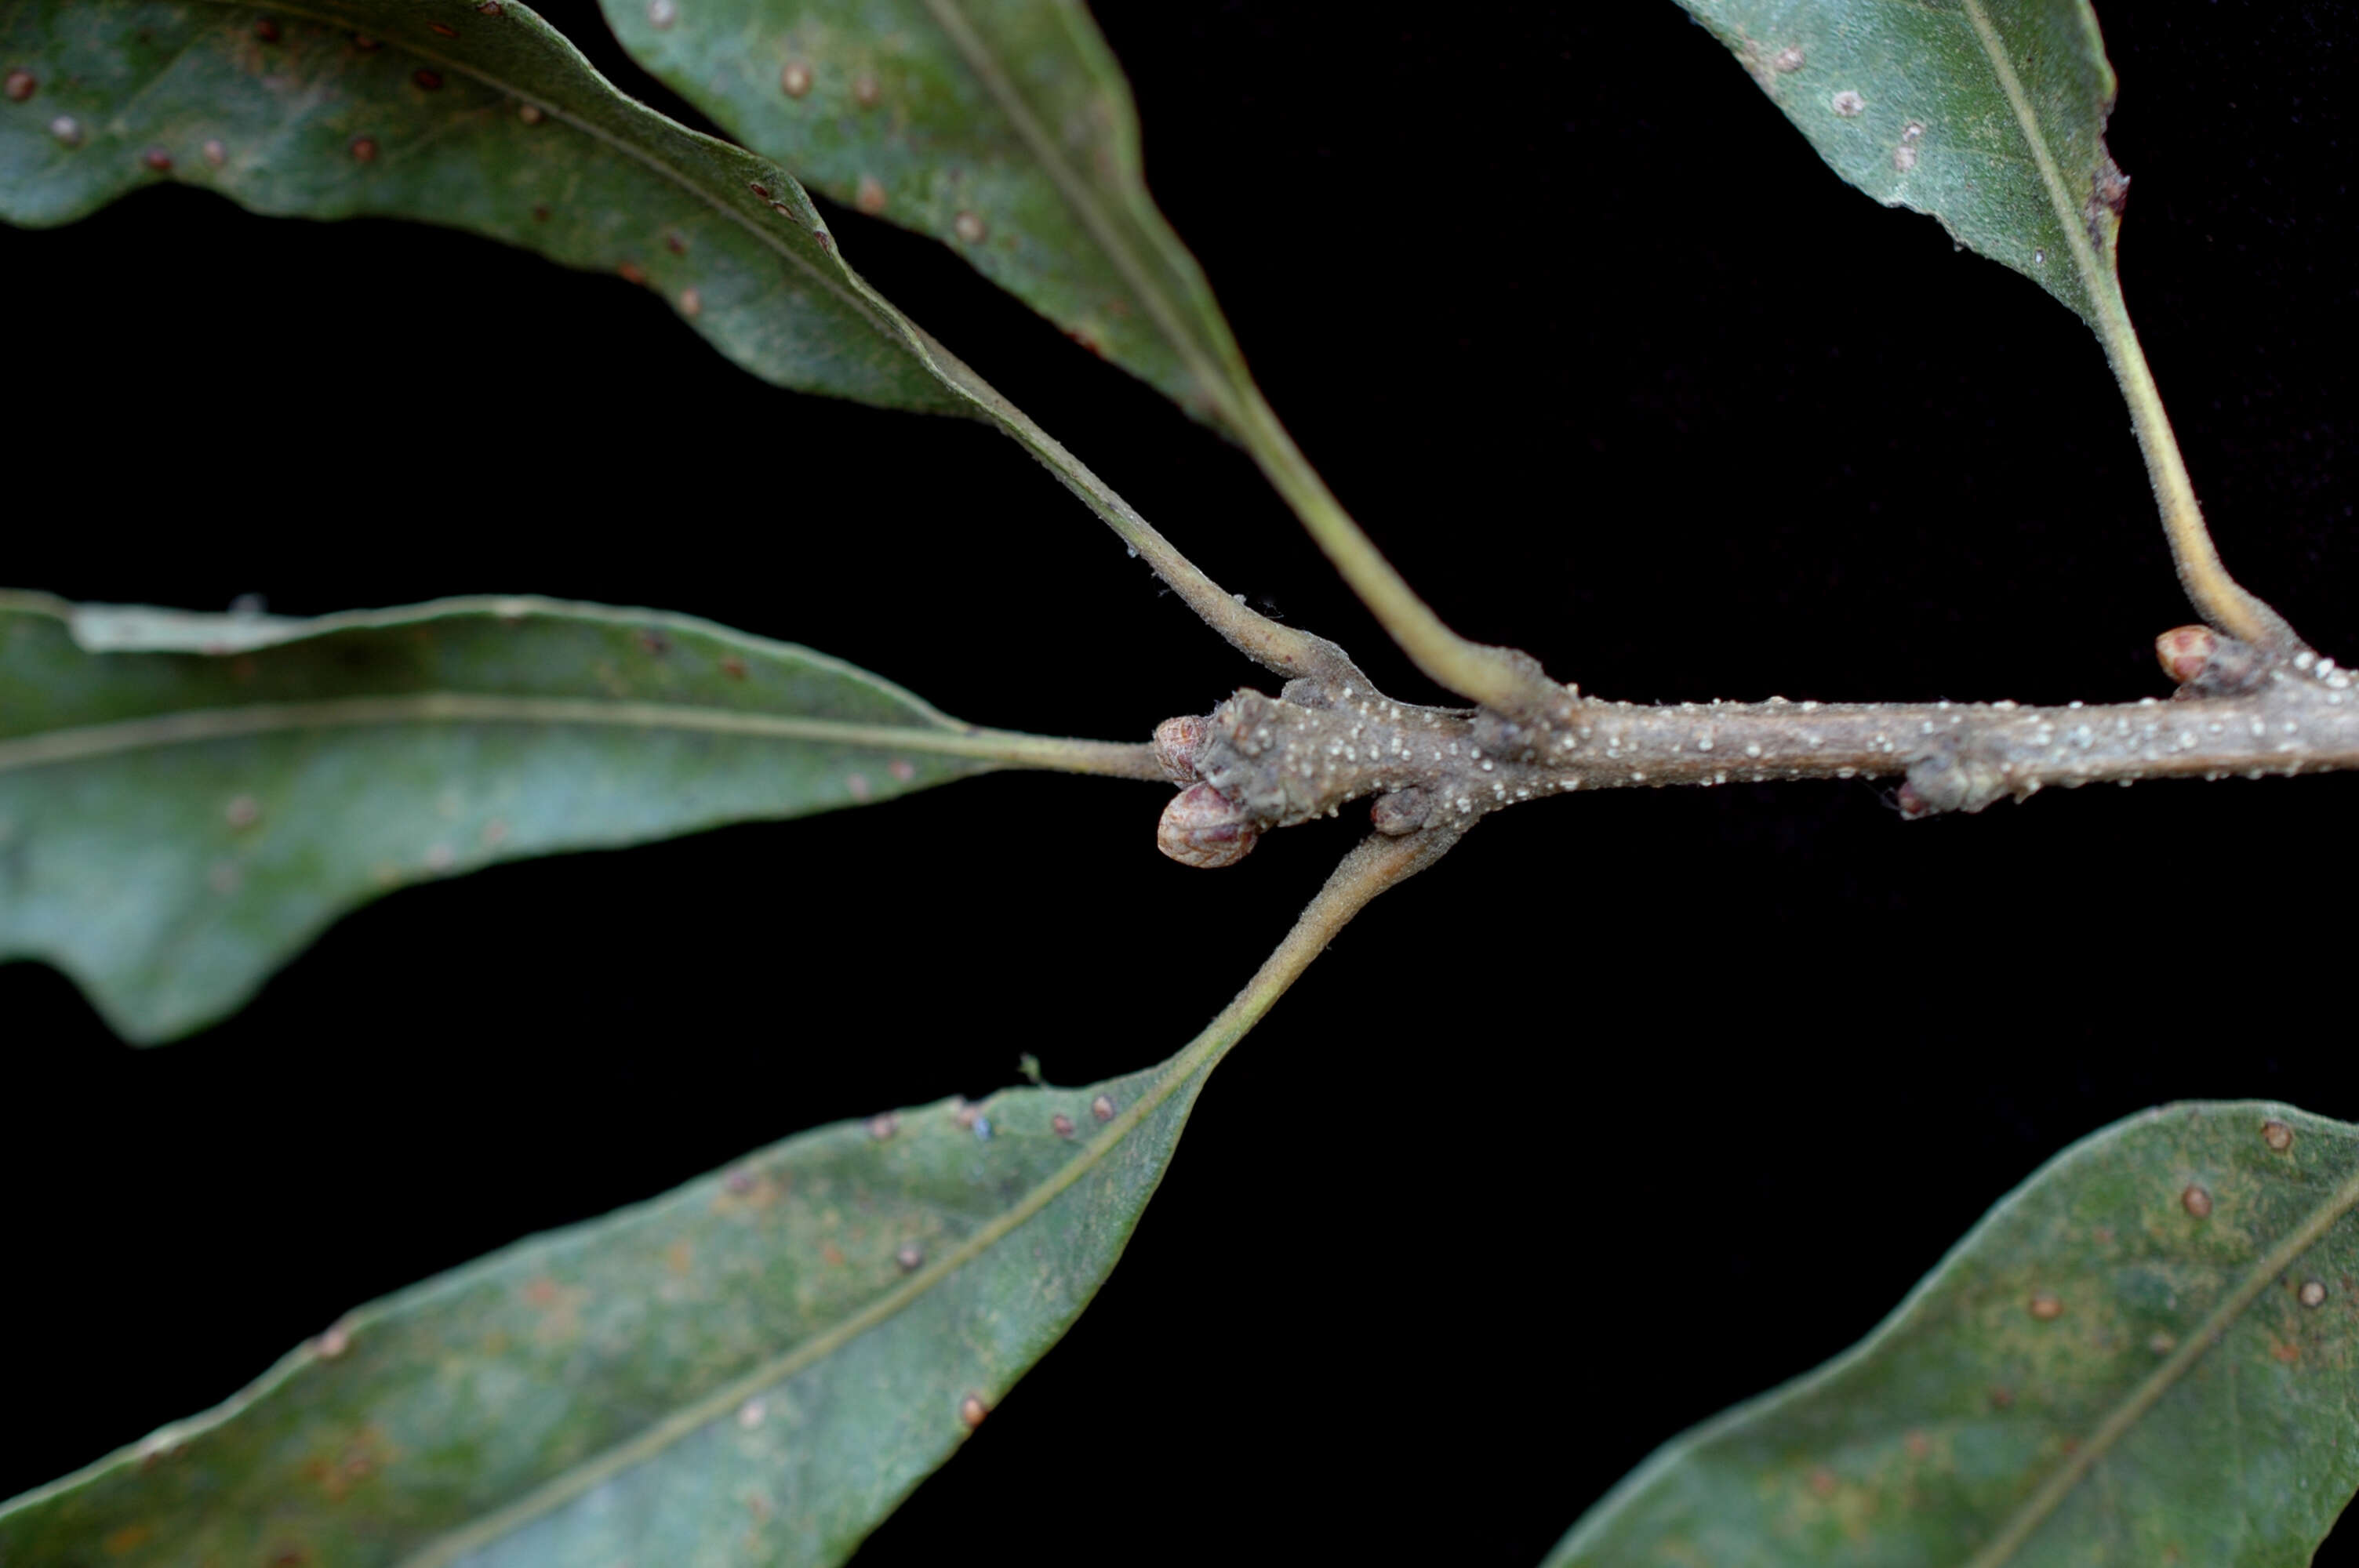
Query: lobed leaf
x=2148 y=1353
x=1002 y=129
x=174 y=824
x=754 y=1369
x=1989 y=114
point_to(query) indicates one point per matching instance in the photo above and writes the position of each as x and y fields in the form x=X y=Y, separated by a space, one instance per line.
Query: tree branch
x=1312 y=750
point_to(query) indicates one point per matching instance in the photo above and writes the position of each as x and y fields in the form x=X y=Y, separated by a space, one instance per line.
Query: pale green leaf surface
x=1002 y=129
x=319 y=111
x=752 y=1369
x=1989 y=114
x=175 y=824
x=2102 y=1374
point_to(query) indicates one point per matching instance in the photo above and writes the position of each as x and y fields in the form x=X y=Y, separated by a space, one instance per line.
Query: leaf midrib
x=2068 y=217
x=1084 y=204
x=196 y=726
x=1200 y=1056
x=2034 y=1511
x=865 y=308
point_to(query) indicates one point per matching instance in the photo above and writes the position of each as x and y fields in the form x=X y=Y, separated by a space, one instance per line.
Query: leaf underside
x=1002 y=129
x=485 y=120
x=1910 y=103
x=754 y=1369
x=2104 y=1276
x=174 y=825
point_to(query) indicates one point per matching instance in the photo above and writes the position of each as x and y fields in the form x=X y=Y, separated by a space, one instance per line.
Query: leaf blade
x=792 y=1348
x=1987 y=115
x=251 y=797
x=325 y=112
x=1006 y=130
x=2075 y=1328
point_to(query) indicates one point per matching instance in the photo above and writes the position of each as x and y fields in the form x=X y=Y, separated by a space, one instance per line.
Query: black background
x=1638 y=1105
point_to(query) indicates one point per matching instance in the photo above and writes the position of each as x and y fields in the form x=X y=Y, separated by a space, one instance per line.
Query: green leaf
x=2148 y=1353
x=752 y=1369
x=1989 y=114
x=174 y=825
x=1002 y=129
x=478 y=118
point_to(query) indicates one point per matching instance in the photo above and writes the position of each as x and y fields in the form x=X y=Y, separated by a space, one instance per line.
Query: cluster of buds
x=1201 y=826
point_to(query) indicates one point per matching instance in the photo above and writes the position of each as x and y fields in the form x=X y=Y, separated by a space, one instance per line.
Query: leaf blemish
x=1849 y=104
x=2313 y=1294
x=2046 y=1305
x=865 y=91
x=67 y=129
x=690 y=304
x=971 y=1410
x=795 y=80
x=662 y=14
x=970 y=228
x=911 y=1256
x=363 y=149
x=530 y=113
x=20 y=86
x=2277 y=1135
x=2196 y=1201
x=157 y=159
x=430 y=81
x=883 y=1127
x=751 y=1413
x=1102 y=1108
x=1787 y=60
x=1061 y=1124
x=241 y=811
x=870 y=196
x=216 y=154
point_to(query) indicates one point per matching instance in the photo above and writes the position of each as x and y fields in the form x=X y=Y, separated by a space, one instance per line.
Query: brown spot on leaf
x=795 y=80
x=2281 y=1351
x=865 y=91
x=2312 y=1294
x=430 y=80
x=909 y=1257
x=1062 y=1124
x=2277 y=1135
x=2196 y=1201
x=884 y=1126
x=652 y=641
x=970 y=228
x=1102 y=1108
x=2046 y=1305
x=691 y=303
x=443 y=29
x=157 y=159
x=127 y=1539
x=1823 y=1482
x=364 y=149
x=971 y=1410
x=733 y=667
x=870 y=195
x=830 y=1253
x=19 y=86
x=2001 y=1397
x=540 y=211
x=632 y=272
x=266 y=30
